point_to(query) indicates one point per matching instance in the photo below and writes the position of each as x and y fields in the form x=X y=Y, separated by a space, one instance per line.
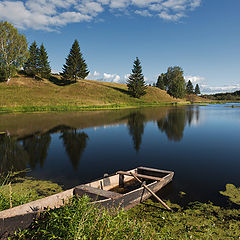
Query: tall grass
x=81 y=220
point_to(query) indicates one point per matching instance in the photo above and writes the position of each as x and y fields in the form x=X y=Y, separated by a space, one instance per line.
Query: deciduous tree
x=175 y=82
x=160 y=82
x=13 y=50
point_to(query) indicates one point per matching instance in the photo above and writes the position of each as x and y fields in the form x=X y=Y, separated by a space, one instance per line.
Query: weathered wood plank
x=158 y=198
x=95 y=193
x=154 y=170
x=140 y=175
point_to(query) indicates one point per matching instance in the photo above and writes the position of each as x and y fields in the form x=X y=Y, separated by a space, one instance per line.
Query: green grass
x=15 y=190
x=81 y=220
x=24 y=94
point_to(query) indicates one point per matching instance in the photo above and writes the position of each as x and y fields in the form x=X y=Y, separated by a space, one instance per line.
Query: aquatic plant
x=232 y=192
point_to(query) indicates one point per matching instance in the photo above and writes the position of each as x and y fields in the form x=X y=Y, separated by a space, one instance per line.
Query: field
x=27 y=94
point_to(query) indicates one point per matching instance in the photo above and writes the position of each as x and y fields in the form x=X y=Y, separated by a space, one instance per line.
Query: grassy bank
x=80 y=220
x=16 y=190
x=24 y=94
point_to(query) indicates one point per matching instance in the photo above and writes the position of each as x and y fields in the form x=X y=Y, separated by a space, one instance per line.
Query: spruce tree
x=189 y=87
x=197 y=90
x=136 y=83
x=43 y=64
x=31 y=66
x=75 y=66
x=160 y=82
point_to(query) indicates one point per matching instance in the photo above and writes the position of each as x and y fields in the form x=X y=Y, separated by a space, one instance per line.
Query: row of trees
x=37 y=63
x=172 y=81
x=14 y=55
x=191 y=90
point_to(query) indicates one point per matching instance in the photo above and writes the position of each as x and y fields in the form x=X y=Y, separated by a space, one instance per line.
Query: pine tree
x=31 y=66
x=189 y=87
x=160 y=82
x=136 y=83
x=43 y=64
x=197 y=90
x=75 y=66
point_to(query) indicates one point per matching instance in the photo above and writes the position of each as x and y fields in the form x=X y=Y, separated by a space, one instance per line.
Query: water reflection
x=12 y=154
x=173 y=124
x=36 y=148
x=136 y=128
x=75 y=142
x=22 y=150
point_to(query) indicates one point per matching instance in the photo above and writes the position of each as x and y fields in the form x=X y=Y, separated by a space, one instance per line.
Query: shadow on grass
x=120 y=90
x=60 y=82
x=115 y=88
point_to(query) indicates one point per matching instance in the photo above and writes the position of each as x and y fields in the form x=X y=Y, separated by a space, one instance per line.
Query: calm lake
x=199 y=143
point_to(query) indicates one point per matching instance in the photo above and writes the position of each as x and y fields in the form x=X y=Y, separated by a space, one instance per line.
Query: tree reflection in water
x=75 y=143
x=36 y=147
x=13 y=157
x=174 y=122
x=136 y=128
x=19 y=153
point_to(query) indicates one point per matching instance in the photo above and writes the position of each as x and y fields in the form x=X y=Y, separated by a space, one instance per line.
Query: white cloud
x=205 y=88
x=108 y=75
x=144 y=13
x=116 y=79
x=95 y=74
x=126 y=76
x=194 y=79
x=50 y=14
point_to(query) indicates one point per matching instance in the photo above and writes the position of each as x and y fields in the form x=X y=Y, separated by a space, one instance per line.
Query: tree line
x=15 y=55
x=172 y=81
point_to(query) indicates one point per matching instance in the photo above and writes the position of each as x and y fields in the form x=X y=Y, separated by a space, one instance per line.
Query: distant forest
x=224 y=96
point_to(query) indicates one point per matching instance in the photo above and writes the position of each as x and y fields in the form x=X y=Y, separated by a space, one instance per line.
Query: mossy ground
x=24 y=190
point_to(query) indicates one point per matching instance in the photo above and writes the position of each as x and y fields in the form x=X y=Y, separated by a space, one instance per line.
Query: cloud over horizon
x=49 y=15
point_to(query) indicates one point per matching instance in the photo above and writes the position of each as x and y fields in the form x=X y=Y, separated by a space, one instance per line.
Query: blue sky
x=201 y=36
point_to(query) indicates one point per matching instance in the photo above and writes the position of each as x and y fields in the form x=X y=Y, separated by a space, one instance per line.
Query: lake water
x=199 y=143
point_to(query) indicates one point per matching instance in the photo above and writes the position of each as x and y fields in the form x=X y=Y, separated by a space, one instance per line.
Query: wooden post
x=121 y=180
x=146 y=187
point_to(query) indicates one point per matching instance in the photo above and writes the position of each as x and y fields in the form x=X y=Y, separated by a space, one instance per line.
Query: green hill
x=25 y=93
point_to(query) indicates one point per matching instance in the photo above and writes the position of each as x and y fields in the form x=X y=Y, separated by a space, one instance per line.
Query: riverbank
x=148 y=220
x=25 y=94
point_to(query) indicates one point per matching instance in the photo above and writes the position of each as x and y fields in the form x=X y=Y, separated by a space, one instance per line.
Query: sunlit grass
x=27 y=95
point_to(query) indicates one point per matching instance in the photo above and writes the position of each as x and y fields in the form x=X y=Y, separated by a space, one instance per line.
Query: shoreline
x=72 y=108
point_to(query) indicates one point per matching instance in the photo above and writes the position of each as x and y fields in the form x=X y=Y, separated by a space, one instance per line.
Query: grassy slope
x=25 y=91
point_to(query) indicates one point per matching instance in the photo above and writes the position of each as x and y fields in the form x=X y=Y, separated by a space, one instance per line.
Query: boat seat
x=95 y=193
x=140 y=175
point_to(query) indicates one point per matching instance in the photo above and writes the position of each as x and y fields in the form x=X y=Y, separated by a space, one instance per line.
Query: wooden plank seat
x=140 y=175
x=95 y=193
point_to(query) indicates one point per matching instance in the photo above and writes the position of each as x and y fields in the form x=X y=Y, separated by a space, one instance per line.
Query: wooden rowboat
x=111 y=191
x=104 y=191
